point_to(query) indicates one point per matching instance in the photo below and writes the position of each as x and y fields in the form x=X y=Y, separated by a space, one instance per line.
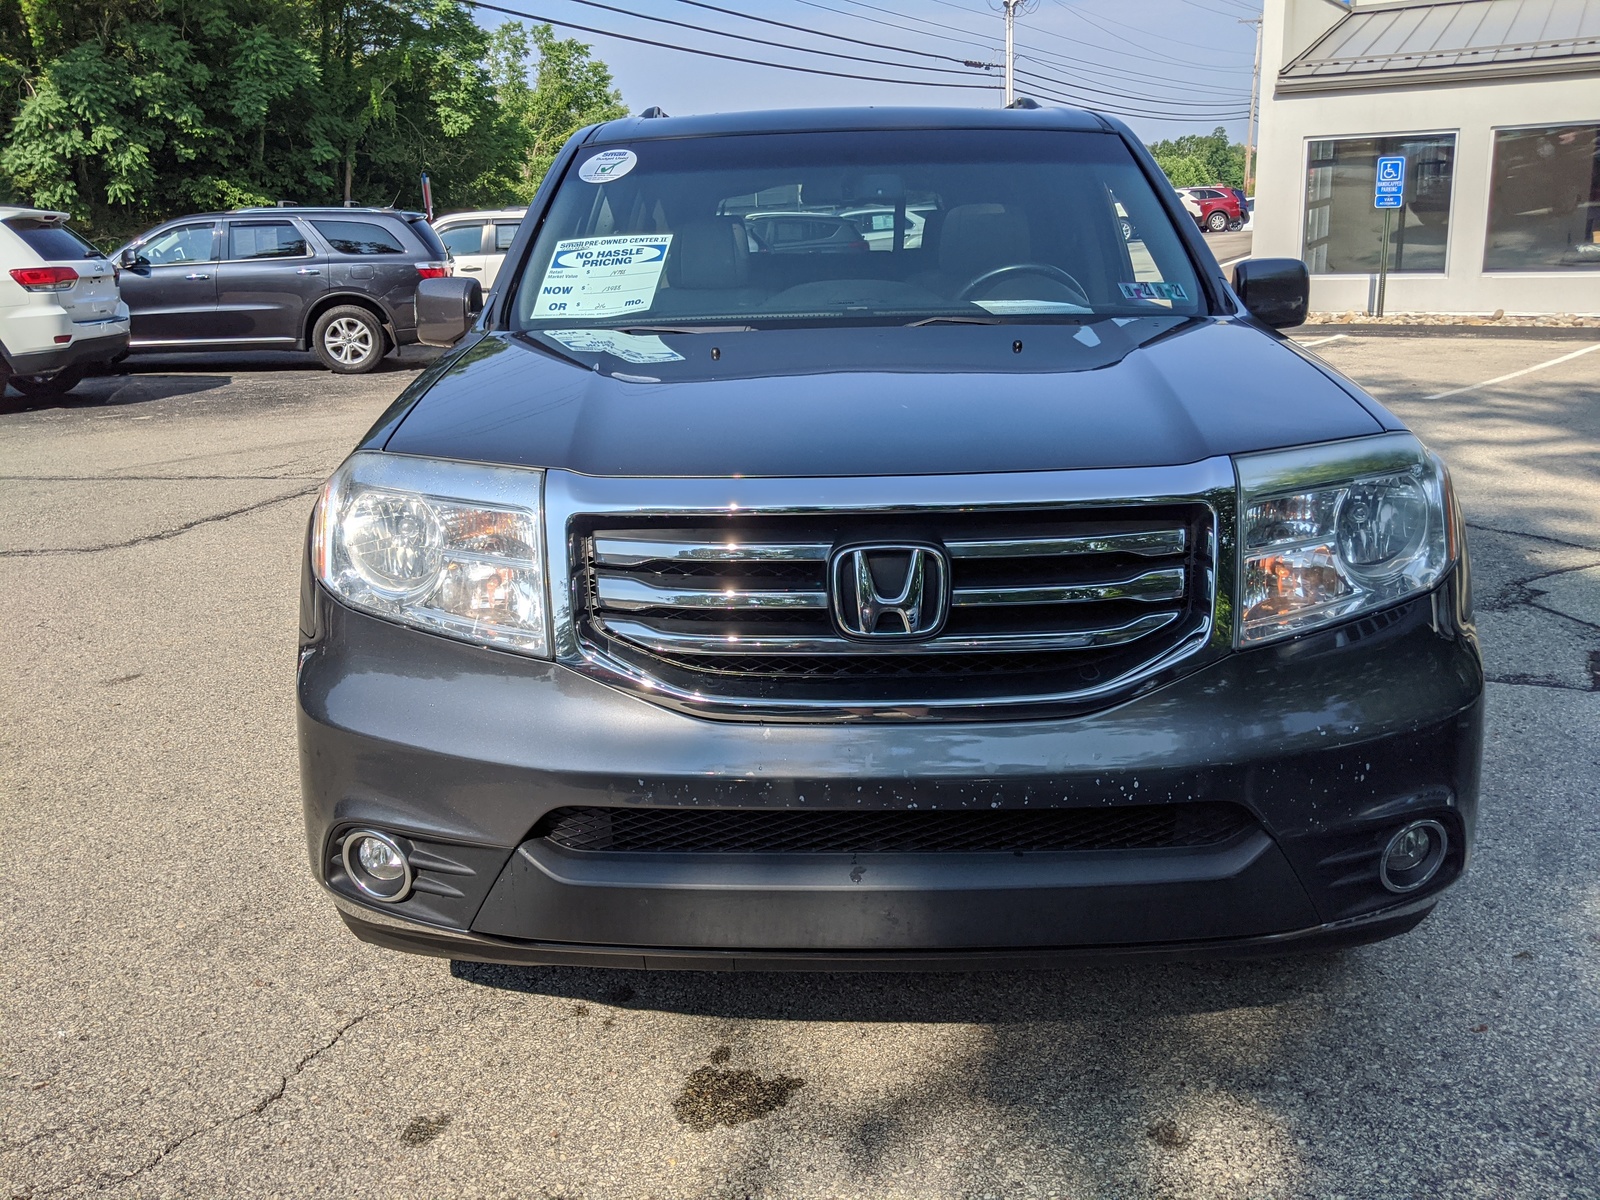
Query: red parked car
x=1219 y=208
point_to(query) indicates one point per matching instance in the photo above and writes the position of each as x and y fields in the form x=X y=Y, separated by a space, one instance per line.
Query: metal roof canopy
x=1448 y=41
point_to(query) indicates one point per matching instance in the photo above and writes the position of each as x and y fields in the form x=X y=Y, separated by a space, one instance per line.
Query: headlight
x=453 y=548
x=1332 y=531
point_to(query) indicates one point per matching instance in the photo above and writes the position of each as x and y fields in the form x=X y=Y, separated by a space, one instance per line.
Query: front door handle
x=197 y=277
x=308 y=271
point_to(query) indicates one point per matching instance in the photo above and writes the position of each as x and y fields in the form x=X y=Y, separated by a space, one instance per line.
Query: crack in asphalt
x=253 y=1110
x=1556 y=612
x=163 y=534
x=1533 y=681
x=1540 y=537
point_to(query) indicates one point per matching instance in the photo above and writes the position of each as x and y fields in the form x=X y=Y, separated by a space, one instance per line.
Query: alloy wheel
x=349 y=341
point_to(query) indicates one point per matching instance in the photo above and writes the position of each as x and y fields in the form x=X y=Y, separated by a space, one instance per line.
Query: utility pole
x=1012 y=8
x=1011 y=49
x=1255 y=107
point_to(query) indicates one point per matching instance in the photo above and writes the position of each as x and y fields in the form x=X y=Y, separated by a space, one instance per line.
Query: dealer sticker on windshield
x=603 y=277
x=629 y=347
x=1153 y=291
x=608 y=165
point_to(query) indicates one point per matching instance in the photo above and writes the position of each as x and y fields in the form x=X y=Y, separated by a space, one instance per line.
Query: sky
x=1170 y=66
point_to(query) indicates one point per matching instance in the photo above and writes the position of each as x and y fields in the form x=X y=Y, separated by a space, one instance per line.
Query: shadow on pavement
x=988 y=997
x=409 y=358
x=114 y=390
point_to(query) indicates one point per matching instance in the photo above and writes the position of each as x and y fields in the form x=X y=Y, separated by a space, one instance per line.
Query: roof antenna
x=655 y=110
x=1023 y=102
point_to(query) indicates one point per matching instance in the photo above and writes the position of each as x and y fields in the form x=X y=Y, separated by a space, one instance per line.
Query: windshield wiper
x=684 y=329
x=956 y=319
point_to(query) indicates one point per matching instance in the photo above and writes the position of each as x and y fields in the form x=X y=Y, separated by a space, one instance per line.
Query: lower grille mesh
x=725 y=831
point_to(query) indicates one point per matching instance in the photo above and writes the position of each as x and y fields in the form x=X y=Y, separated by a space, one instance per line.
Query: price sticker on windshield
x=603 y=277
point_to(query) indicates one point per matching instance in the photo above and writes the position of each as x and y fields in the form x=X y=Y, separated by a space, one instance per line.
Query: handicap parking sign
x=1389 y=188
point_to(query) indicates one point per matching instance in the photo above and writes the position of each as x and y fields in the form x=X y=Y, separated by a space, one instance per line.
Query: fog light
x=377 y=865
x=381 y=859
x=1413 y=856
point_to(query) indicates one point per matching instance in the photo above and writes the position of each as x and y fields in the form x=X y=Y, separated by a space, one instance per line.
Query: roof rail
x=655 y=110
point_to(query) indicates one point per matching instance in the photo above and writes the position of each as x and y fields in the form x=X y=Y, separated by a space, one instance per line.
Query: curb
x=1531 y=332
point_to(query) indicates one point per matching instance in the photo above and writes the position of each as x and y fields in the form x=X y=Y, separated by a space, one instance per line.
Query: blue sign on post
x=1390 y=187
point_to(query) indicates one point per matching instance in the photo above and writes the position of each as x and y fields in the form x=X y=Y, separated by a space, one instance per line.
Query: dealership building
x=1495 y=107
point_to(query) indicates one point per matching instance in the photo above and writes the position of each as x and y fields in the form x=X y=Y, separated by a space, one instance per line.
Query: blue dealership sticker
x=1153 y=291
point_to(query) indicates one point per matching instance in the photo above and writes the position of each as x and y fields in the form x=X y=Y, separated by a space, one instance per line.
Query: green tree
x=570 y=89
x=1201 y=159
x=124 y=112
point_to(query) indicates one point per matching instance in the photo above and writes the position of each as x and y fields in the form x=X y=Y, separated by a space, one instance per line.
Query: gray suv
x=340 y=282
x=926 y=606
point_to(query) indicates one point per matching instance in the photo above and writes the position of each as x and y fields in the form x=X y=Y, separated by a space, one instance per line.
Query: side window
x=358 y=237
x=503 y=234
x=463 y=239
x=265 y=239
x=184 y=244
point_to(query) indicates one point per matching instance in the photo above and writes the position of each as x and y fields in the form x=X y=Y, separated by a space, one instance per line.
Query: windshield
x=855 y=227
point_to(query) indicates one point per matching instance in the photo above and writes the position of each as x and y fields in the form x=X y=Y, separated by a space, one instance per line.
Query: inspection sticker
x=1153 y=291
x=603 y=277
x=629 y=347
x=608 y=165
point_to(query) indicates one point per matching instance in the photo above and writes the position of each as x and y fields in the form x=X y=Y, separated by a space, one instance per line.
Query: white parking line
x=1323 y=340
x=1231 y=261
x=1472 y=387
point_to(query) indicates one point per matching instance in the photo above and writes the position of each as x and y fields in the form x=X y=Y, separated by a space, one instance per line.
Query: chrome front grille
x=1067 y=604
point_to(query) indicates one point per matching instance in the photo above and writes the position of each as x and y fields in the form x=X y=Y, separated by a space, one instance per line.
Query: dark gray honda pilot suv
x=1003 y=592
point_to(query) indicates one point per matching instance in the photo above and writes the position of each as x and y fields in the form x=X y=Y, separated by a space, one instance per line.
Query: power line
x=1189 y=118
x=1123 y=97
x=1163 y=37
x=1045 y=57
x=1118 y=110
x=1115 y=75
x=781 y=45
x=1215 y=12
x=628 y=37
x=1155 y=56
x=988 y=46
x=838 y=37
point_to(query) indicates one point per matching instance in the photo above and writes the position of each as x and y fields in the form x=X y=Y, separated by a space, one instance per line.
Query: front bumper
x=1330 y=741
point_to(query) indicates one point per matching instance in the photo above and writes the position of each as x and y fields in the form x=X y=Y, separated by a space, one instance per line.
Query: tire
x=1127 y=230
x=348 y=340
x=1217 y=222
x=58 y=384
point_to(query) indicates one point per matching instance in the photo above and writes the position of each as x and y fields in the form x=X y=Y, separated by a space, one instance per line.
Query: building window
x=1544 y=200
x=1344 y=232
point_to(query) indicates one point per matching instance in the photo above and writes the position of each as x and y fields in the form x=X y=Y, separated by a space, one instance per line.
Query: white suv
x=60 y=310
x=478 y=241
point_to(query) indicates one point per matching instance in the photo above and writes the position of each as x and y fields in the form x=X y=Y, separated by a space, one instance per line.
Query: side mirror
x=446 y=309
x=1277 y=291
x=1274 y=290
x=128 y=259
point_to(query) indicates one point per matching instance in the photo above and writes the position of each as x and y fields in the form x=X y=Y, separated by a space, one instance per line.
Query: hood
x=875 y=400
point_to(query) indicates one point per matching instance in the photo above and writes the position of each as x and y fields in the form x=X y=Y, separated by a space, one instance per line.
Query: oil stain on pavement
x=423 y=1130
x=715 y=1096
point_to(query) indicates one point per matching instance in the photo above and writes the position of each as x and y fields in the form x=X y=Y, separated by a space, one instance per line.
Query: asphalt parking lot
x=184 y=1015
